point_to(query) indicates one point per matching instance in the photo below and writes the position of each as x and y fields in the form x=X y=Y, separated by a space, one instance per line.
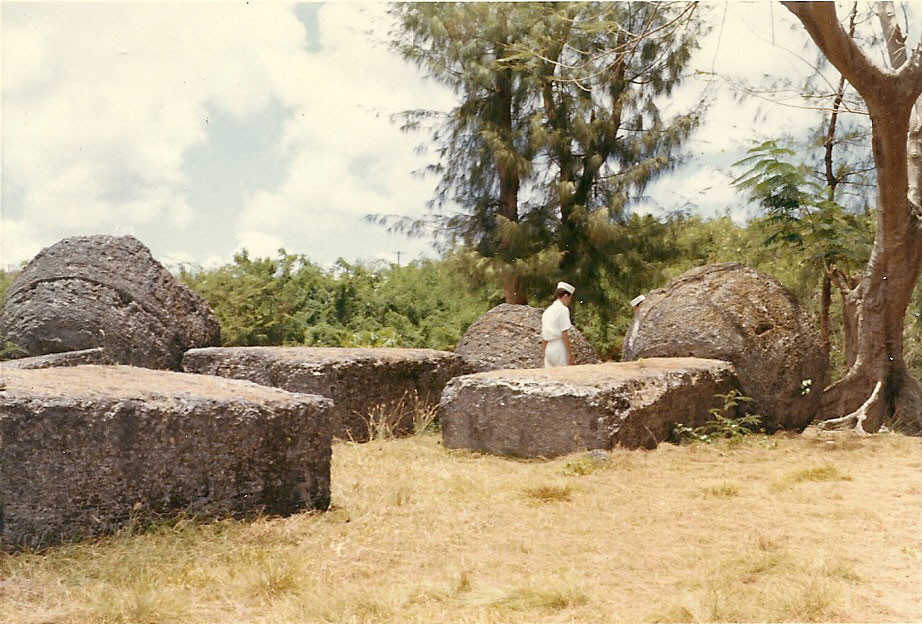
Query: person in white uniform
x=555 y=325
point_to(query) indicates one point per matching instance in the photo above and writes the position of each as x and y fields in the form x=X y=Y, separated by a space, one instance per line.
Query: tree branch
x=871 y=81
x=896 y=40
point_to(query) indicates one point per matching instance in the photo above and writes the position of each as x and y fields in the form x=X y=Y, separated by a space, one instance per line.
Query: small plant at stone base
x=425 y=415
x=380 y=423
x=9 y=350
x=425 y=418
x=384 y=421
x=723 y=425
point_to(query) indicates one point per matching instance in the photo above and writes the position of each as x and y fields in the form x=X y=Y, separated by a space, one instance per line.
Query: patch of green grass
x=825 y=472
x=587 y=463
x=549 y=493
x=725 y=489
x=553 y=597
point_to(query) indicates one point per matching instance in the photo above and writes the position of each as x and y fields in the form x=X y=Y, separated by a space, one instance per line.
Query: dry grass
x=410 y=413
x=794 y=528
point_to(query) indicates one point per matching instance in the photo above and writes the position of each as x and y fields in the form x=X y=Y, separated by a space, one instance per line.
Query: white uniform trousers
x=555 y=354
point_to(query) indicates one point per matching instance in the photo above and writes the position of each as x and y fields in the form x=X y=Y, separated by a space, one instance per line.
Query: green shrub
x=724 y=424
x=288 y=300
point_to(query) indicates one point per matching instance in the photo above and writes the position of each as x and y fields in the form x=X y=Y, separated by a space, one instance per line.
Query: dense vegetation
x=431 y=302
x=287 y=300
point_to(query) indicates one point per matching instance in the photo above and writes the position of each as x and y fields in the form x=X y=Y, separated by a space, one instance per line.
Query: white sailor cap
x=636 y=301
x=566 y=287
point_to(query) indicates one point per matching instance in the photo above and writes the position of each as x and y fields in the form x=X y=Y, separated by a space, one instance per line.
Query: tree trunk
x=825 y=301
x=850 y=295
x=885 y=289
x=513 y=289
x=509 y=181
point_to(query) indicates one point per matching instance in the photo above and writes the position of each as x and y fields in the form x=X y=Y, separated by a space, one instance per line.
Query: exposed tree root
x=874 y=408
x=845 y=396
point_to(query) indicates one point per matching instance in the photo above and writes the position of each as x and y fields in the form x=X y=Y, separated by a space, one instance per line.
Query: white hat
x=566 y=287
x=636 y=301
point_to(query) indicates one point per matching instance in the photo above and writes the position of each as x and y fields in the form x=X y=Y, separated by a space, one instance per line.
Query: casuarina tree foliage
x=557 y=130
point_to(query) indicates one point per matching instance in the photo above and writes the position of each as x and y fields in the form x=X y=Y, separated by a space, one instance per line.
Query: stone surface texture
x=735 y=313
x=53 y=360
x=509 y=336
x=365 y=384
x=86 y=449
x=557 y=411
x=106 y=291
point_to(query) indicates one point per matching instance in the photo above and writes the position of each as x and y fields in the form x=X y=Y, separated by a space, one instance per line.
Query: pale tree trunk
x=884 y=290
x=850 y=295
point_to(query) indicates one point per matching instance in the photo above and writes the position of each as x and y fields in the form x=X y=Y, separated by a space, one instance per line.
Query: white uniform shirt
x=555 y=321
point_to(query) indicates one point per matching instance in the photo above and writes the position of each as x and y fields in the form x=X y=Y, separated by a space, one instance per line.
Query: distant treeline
x=429 y=303
x=288 y=300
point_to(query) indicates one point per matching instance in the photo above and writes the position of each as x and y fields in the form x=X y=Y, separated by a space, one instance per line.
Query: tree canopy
x=557 y=130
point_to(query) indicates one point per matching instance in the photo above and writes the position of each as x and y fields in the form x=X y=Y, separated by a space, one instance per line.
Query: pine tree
x=603 y=71
x=559 y=104
x=484 y=146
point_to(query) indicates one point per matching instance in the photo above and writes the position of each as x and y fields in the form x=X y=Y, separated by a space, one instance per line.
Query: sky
x=206 y=128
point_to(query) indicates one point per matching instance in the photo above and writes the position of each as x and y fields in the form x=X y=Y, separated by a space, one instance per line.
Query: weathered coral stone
x=734 y=313
x=371 y=385
x=85 y=449
x=509 y=336
x=103 y=291
x=56 y=360
x=556 y=411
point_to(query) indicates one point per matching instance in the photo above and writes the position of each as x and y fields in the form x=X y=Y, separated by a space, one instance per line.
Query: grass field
x=809 y=528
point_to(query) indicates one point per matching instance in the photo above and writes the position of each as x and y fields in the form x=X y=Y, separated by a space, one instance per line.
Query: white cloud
x=19 y=241
x=259 y=244
x=101 y=103
x=704 y=190
x=752 y=44
x=351 y=160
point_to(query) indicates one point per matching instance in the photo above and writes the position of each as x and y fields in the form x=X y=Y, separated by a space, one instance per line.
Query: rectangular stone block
x=67 y=358
x=85 y=450
x=548 y=412
x=383 y=382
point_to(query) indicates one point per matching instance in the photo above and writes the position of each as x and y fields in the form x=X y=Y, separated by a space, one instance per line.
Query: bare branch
x=871 y=81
